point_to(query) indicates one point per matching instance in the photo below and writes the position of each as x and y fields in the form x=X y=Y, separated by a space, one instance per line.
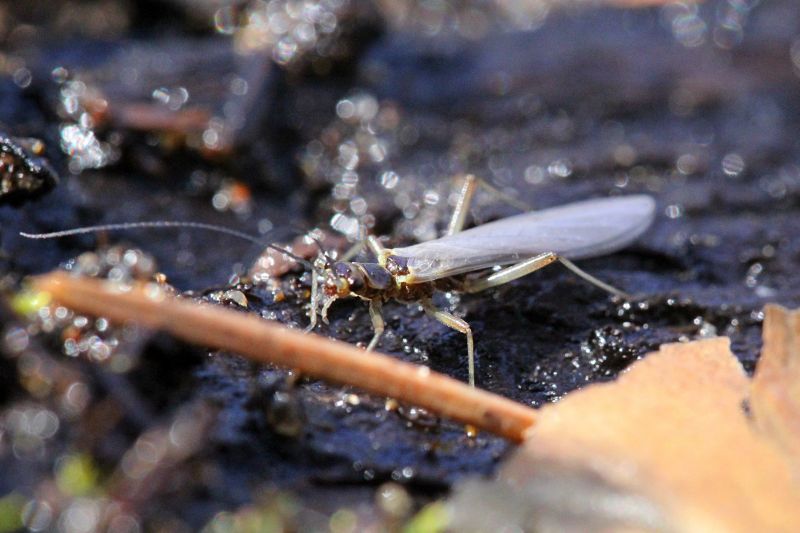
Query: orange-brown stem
x=269 y=342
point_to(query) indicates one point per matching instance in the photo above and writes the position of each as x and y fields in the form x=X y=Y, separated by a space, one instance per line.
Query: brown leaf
x=775 y=392
x=672 y=429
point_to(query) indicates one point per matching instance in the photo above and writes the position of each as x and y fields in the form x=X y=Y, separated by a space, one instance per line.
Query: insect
x=459 y=261
x=463 y=261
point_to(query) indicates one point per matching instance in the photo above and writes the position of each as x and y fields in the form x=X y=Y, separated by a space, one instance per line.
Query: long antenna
x=328 y=258
x=166 y=224
x=309 y=234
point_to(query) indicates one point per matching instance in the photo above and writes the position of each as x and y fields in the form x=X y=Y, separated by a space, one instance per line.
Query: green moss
x=77 y=475
x=433 y=518
x=11 y=512
x=275 y=513
x=27 y=302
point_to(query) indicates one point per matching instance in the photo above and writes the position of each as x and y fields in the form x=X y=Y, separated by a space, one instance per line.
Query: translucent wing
x=582 y=229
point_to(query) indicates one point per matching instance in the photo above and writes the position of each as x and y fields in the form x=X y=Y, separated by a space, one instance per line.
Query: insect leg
x=377 y=323
x=505 y=197
x=352 y=251
x=463 y=203
x=370 y=242
x=314 y=301
x=325 y=306
x=531 y=265
x=375 y=245
x=468 y=187
x=510 y=273
x=591 y=279
x=459 y=325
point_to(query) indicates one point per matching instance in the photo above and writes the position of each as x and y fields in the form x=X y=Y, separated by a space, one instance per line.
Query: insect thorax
x=365 y=280
x=375 y=281
x=382 y=283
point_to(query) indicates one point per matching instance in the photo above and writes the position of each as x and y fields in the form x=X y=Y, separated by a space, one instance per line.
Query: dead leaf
x=674 y=430
x=775 y=392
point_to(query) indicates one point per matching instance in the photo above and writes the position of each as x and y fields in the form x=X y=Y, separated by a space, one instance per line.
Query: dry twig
x=268 y=342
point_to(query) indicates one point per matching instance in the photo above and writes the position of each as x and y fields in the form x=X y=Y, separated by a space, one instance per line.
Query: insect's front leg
x=325 y=306
x=375 y=245
x=378 y=324
x=352 y=251
x=314 y=301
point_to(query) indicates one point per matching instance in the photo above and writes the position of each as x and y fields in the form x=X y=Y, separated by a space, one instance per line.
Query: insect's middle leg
x=352 y=251
x=459 y=325
x=378 y=324
x=461 y=210
x=467 y=193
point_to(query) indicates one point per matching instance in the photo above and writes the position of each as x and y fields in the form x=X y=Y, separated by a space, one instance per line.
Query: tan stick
x=269 y=342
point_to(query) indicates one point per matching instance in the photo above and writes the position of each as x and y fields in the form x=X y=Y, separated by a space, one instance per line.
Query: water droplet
x=733 y=165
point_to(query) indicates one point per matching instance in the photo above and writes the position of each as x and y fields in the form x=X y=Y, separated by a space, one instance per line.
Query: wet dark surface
x=593 y=103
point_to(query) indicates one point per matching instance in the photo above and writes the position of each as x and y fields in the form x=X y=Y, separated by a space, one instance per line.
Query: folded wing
x=578 y=230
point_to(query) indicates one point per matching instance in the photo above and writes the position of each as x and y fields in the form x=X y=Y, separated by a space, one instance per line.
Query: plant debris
x=264 y=342
x=24 y=173
x=652 y=450
x=775 y=390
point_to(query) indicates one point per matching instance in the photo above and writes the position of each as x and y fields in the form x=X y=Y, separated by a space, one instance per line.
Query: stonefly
x=459 y=260
x=463 y=261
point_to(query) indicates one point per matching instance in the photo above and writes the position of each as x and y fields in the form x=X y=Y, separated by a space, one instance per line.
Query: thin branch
x=269 y=342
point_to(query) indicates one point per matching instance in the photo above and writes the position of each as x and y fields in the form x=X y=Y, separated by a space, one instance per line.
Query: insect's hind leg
x=459 y=325
x=378 y=324
x=533 y=264
x=591 y=279
x=511 y=273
